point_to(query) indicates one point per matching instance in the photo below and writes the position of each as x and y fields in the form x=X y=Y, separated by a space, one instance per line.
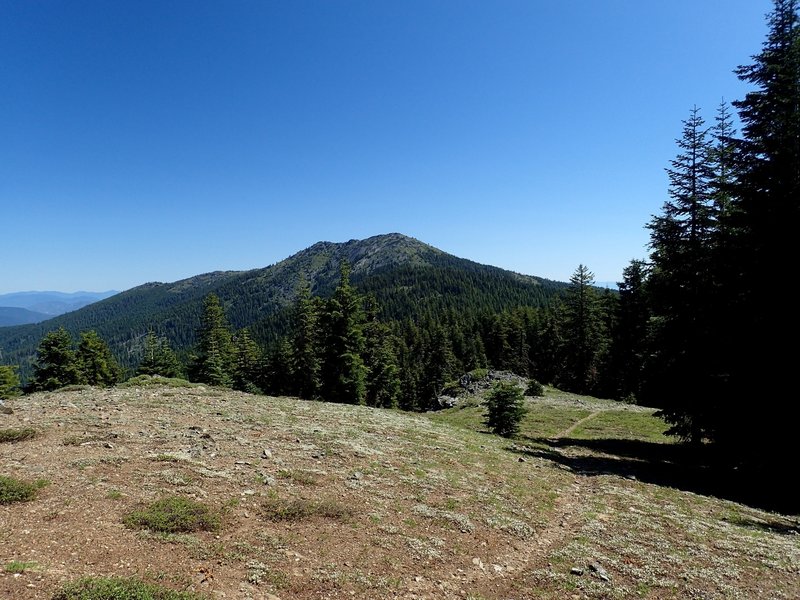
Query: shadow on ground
x=678 y=466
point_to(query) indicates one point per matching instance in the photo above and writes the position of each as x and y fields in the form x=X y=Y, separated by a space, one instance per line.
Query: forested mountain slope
x=409 y=279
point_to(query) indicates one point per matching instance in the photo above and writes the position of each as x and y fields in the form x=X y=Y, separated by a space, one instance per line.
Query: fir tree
x=343 y=371
x=96 y=363
x=306 y=352
x=214 y=361
x=9 y=382
x=158 y=358
x=584 y=336
x=56 y=364
x=247 y=363
x=380 y=360
x=505 y=408
x=767 y=219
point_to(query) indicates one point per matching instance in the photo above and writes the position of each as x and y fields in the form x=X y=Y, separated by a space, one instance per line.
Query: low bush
x=120 y=588
x=17 y=435
x=174 y=514
x=14 y=490
x=535 y=388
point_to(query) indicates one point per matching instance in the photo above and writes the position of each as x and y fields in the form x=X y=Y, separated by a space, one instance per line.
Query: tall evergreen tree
x=95 y=361
x=768 y=219
x=159 y=358
x=247 y=363
x=682 y=288
x=630 y=339
x=306 y=351
x=213 y=363
x=584 y=336
x=343 y=371
x=56 y=364
x=380 y=360
x=9 y=382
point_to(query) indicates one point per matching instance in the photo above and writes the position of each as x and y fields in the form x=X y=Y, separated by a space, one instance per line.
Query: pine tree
x=343 y=371
x=247 y=363
x=158 y=358
x=56 y=364
x=96 y=363
x=681 y=285
x=306 y=352
x=279 y=379
x=767 y=216
x=505 y=408
x=584 y=337
x=9 y=382
x=631 y=334
x=380 y=360
x=214 y=361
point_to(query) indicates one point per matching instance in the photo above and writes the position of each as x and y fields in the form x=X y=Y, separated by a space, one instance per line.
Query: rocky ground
x=414 y=508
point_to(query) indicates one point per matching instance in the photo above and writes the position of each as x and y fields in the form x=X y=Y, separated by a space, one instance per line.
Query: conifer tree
x=95 y=361
x=380 y=360
x=56 y=364
x=767 y=216
x=343 y=371
x=247 y=363
x=505 y=408
x=584 y=336
x=9 y=382
x=158 y=358
x=214 y=361
x=306 y=351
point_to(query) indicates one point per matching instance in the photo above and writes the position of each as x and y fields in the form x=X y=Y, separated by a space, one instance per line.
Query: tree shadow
x=700 y=470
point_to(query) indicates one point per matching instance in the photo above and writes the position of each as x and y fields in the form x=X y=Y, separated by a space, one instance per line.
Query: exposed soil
x=424 y=510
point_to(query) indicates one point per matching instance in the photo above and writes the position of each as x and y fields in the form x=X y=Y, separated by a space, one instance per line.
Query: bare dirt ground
x=424 y=509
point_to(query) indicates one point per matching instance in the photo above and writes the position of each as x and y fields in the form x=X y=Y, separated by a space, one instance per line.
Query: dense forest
x=702 y=328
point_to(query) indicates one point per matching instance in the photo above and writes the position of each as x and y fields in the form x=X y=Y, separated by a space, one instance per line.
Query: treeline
x=712 y=323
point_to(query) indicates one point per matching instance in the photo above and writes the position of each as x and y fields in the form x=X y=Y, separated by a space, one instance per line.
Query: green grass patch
x=277 y=509
x=157 y=380
x=17 y=435
x=301 y=477
x=19 y=566
x=120 y=588
x=14 y=490
x=624 y=424
x=174 y=514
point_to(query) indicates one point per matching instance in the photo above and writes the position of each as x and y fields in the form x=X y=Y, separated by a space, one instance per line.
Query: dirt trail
x=577 y=424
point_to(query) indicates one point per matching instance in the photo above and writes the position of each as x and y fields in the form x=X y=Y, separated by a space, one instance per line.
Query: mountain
x=409 y=278
x=51 y=304
x=11 y=315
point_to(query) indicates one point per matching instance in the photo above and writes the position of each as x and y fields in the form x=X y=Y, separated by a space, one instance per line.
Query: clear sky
x=155 y=140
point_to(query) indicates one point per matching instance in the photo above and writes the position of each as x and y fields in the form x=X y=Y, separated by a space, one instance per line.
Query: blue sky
x=155 y=140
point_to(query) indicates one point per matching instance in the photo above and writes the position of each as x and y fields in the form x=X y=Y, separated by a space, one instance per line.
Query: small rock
x=108 y=445
x=522 y=459
x=576 y=571
x=356 y=475
x=266 y=453
x=248 y=493
x=601 y=572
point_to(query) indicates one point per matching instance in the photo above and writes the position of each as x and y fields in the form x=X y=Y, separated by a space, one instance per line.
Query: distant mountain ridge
x=409 y=278
x=51 y=304
x=12 y=315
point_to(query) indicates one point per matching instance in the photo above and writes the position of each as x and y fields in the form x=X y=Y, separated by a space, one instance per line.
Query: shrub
x=174 y=514
x=535 y=388
x=17 y=435
x=119 y=588
x=14 y=490
x=505 y=408
x=276 y=509
x=478 y=374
